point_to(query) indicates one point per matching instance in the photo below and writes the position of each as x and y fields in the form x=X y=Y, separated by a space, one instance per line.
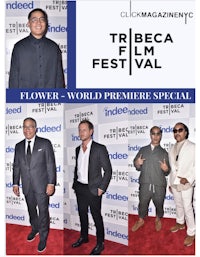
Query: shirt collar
x=36 y=41
x=32 y=140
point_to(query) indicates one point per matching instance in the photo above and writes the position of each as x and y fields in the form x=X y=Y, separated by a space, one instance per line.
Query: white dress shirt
x=31 y=144
x=83 y=162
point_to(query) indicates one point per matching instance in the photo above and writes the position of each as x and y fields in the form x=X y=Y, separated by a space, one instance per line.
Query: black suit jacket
x=42 y=170
x=98 y=159
x=36 y=63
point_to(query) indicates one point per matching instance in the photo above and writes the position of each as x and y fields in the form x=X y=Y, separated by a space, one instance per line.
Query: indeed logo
x=115 y=111
x=116 y=234
x=167 y=129
x=9 y=185
x=58 y=28
x=138 y=111
x=49 y=129
x=75 y=137
x=117 y=197
x=134 y=148
x=134 y=180
x=118 y=111
x=58 y=169
x=54 y=205
x=19 y=5
x=13 y=217
x=169 y=197
x=116 y=155
x=13 y=110
x=10 y=149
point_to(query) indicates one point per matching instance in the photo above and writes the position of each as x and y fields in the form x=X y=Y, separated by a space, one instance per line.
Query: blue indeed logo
x=19 y=5
x=117 y=197
x=119 y=156
x=13 y=110
x=58 y=28
x=116 y=234
x=46 y=128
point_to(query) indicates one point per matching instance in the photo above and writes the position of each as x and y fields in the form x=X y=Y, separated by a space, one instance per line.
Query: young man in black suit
x=89 y=183
x=34 y=164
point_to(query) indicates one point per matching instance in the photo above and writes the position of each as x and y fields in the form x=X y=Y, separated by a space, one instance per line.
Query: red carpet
x=111 y=248
x=16 y=243
x=59 y=243
x=147 y=241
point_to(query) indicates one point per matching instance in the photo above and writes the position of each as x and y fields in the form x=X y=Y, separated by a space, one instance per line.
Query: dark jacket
x=36 y=63
x=98 y=159
x=42 y=170
x=151 y=173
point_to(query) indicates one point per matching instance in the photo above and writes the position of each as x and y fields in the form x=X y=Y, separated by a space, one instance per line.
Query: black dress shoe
x=80 y=241
x=41 y=246
x=32 y=235
x=98 y=249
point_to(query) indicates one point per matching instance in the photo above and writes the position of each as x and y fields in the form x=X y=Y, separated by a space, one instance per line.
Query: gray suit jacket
x=42 y=170
x=150 y=171
x=98 y=159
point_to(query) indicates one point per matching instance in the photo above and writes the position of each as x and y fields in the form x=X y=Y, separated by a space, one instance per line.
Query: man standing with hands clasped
x=89 y=183
x=153 y=163
x=182 y=181
x=34 y=164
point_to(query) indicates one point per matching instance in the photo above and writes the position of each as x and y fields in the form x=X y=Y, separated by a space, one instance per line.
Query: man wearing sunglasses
x=182 y=181
x=153 y=164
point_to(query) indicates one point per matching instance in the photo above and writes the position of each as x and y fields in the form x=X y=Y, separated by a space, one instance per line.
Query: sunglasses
x=178 y=130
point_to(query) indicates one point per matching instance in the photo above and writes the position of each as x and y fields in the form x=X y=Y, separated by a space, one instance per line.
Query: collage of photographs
x=100 y=127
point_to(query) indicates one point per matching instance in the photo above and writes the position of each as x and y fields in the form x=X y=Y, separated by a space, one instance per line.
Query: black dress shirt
x=36 y=63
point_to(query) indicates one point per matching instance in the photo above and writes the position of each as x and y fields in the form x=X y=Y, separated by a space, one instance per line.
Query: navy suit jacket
x=36 y=63
x=42 y=170
x=98 y=159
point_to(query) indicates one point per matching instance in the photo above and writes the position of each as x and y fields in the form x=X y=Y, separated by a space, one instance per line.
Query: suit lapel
x=91 y=153
x=24 y=151
x=35 y=147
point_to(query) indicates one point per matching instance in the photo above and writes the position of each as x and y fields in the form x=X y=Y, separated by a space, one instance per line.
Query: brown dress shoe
x=177 y=227
x=189 y=240
x=158 y=224
x=138 y=224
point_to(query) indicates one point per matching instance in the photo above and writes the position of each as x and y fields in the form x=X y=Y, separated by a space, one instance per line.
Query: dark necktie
x=28 y=153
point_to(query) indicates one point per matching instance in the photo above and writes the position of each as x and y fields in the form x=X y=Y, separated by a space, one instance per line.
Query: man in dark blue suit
x=89 y=183
x=34 y=164
x=36 y=60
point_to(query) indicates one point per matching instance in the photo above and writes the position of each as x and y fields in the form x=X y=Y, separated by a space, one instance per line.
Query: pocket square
x=39 y=150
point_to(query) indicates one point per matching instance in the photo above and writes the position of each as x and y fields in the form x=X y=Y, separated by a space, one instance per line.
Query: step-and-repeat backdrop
x=16 y=18
x=142 y=119
x=123 y=128
x=111 y=130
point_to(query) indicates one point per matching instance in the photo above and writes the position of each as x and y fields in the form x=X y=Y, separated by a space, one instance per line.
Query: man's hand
x=183 y=180
x=16 y=190
x=100 y=192
x=50 y=189
x=139 y=161
x=163 y=166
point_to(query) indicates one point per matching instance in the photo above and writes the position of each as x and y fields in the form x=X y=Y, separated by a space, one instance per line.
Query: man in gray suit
x=34 y=164
x=36 y=60
x=89 y=183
